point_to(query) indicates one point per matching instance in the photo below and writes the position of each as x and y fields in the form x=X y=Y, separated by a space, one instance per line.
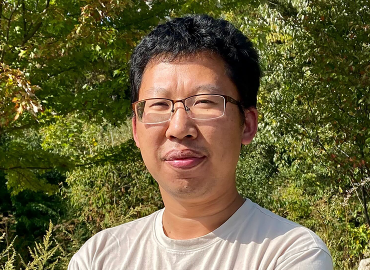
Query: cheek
x=150 y=140
x=231 y=142
x=149 y=134
x=150 y=158
x=224 y=142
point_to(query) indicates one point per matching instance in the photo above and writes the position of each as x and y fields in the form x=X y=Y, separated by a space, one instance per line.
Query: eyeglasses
x=199 y=107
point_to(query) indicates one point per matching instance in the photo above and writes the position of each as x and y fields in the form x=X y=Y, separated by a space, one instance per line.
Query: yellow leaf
x=16 y=116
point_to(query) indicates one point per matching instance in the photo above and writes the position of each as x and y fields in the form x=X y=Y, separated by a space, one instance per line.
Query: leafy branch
x=31 y=32
x=8 y=31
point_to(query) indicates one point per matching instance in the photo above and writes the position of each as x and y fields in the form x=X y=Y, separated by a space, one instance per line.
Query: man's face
x=192 y=159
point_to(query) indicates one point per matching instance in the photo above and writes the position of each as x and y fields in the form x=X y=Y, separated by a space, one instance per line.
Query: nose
x=181 y=126
x=174 y=105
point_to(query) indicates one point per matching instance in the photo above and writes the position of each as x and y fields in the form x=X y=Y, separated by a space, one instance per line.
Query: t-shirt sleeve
x=82 y=260
x=310 y=259
x=73 y=265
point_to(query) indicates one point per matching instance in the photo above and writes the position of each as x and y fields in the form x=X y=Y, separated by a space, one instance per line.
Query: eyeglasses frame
x=226 y=100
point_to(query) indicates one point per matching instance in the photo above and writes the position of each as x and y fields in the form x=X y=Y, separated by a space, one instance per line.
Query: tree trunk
x=365 y=205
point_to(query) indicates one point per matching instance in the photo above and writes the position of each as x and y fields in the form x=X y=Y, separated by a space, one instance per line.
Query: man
x=194 y=85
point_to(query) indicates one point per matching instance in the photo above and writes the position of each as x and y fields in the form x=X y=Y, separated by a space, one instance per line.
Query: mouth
x=184 y=159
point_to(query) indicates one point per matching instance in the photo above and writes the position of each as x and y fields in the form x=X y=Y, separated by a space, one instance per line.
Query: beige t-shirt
x=253 y=238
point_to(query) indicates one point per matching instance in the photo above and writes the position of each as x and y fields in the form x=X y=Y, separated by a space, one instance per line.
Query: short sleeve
x=311 y=259
x=73 y=265
x=79 y=262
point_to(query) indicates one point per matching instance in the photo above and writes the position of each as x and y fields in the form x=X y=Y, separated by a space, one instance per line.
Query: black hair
x=197 y=33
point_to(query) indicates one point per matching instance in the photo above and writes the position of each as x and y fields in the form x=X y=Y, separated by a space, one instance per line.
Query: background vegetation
x=66 y=153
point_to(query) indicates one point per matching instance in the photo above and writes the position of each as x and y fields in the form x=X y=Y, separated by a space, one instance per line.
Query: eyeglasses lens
x=201 y=107
x=205 y=106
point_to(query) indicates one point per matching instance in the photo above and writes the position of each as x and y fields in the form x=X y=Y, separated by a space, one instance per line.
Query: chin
x=183 y=188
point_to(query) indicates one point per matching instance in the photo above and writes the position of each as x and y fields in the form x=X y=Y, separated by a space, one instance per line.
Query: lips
x=184 y=159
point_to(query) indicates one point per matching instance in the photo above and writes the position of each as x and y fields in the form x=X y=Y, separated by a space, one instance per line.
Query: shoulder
x=112 y=241
x=282 y=228
x=295 y=245
x=115 y=234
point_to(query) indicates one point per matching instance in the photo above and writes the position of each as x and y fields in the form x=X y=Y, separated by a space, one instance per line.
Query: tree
x=61 y=58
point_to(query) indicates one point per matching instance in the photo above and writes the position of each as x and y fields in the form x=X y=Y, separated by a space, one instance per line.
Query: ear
x=134 y=134
x=250 y=125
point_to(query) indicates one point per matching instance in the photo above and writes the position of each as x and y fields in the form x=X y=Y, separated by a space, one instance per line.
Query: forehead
x=186 y=75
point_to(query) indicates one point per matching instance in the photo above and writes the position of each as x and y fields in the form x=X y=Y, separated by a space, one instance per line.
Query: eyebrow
x=204 y=88
x=209 y=88
x=157 y=90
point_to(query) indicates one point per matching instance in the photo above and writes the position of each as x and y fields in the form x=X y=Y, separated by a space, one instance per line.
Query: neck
x=185 y=219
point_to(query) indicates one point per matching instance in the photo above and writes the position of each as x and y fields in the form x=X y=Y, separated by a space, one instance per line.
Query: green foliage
x=7 y=256
x=5 y=201
x=64 y=103
x=61 y=58
x=44 y=254
x=33 y=211
x=26 y=164
x=110 y=194
x=359 y=239
x=256 y=173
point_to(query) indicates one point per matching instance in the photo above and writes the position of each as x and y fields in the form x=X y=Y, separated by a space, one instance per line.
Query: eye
x=159 y=105
x=204 y=102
